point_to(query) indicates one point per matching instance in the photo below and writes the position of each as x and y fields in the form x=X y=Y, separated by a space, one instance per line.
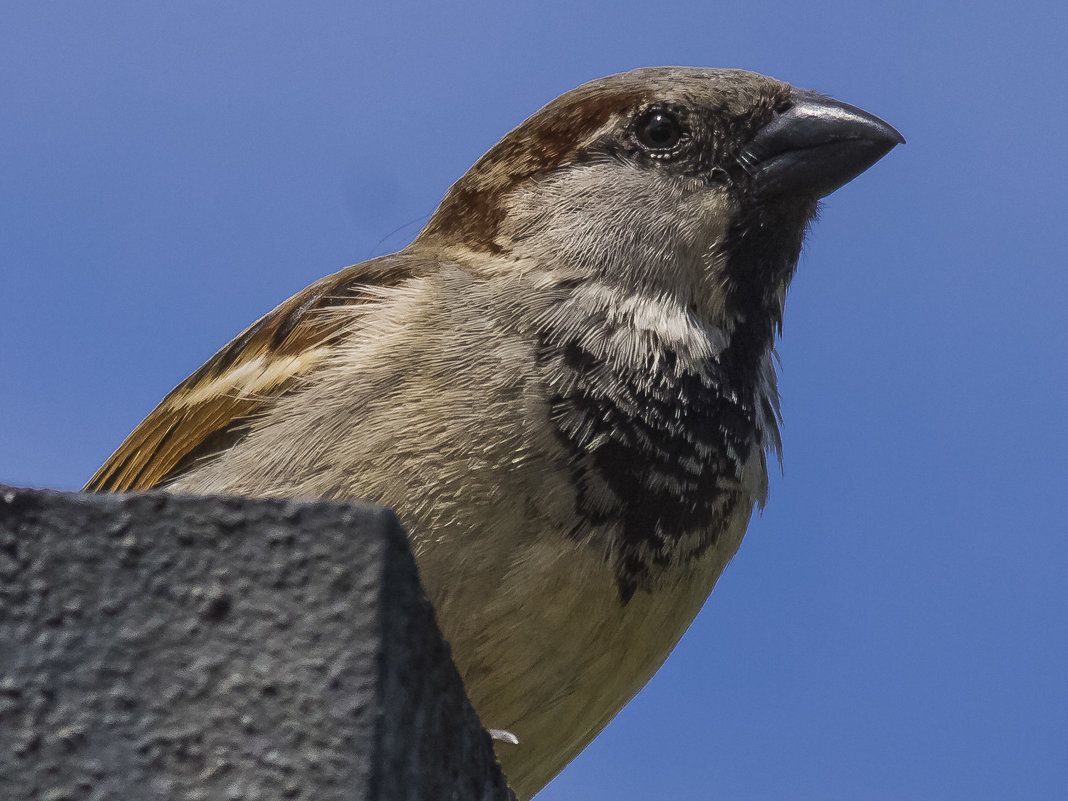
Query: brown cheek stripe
x=473 y=209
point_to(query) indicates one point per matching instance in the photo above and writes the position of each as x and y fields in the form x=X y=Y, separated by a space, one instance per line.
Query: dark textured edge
x=77 y=568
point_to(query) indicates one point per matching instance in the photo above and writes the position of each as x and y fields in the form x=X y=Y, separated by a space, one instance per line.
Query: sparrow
x=565 y=386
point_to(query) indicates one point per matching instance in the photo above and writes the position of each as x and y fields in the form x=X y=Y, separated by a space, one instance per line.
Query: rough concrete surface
x=162 y=647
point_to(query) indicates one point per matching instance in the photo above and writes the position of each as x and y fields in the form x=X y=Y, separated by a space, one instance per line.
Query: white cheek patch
x=642 y=230
x=642 y=325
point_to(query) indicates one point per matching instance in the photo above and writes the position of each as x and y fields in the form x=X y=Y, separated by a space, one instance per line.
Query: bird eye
x=659 y=130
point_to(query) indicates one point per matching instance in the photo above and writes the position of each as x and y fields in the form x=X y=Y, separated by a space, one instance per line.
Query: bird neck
x=664 y=421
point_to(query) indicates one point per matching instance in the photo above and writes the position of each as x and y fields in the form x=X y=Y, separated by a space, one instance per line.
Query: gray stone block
x=162 y=647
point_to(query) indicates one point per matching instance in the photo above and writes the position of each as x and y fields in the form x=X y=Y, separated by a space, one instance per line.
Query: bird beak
x=814 y=147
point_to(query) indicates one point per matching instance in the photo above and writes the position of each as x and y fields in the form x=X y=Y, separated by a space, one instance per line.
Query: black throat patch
x=658 y=450
x=657 y=456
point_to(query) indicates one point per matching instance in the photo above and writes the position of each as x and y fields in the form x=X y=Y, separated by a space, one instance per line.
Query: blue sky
x=896 y=623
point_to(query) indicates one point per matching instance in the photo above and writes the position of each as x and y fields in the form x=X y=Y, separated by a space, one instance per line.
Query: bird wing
x=212 y=408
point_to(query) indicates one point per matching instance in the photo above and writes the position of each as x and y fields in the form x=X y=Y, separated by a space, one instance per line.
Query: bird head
x=690 y=184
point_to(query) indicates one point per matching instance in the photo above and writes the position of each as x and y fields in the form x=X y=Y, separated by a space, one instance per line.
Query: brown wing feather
x=211 y=409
